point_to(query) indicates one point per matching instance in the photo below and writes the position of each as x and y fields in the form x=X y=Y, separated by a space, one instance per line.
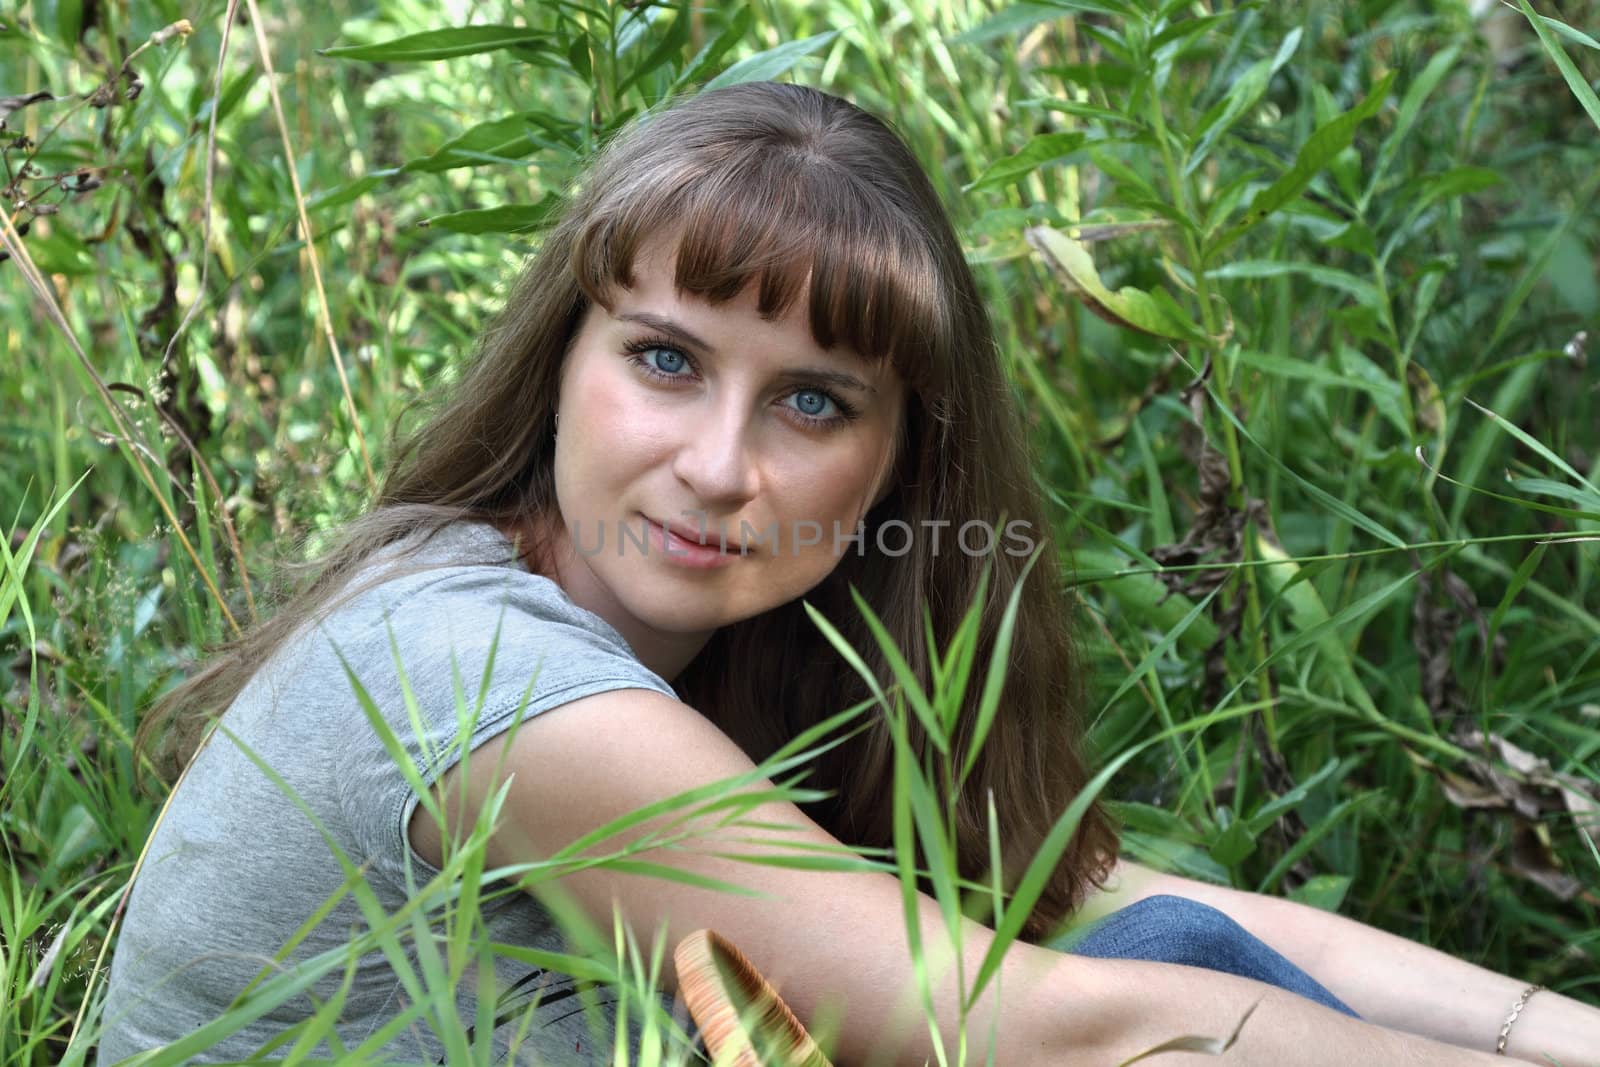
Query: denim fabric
x=1169 y=929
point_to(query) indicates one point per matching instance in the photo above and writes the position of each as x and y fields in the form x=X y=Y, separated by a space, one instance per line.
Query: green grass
x=1345 y=262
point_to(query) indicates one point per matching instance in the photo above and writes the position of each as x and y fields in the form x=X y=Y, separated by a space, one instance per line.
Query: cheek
x=830 y=488
x=612 y=430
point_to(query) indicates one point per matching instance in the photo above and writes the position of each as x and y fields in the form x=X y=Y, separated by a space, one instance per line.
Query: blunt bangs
x=778 y=217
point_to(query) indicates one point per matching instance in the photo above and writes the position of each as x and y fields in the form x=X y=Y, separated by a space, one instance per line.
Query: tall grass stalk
x=1301 y=301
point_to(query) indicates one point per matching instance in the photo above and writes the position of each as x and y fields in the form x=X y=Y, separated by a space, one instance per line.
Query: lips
x=706 y=538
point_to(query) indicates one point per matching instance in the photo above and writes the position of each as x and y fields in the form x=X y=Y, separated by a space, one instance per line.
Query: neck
x=547 y=550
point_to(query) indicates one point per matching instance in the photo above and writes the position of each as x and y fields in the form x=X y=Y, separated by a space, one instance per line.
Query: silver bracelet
x=1516 y=1010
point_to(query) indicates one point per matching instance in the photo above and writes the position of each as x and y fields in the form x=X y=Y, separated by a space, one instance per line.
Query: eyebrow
x=822 y=375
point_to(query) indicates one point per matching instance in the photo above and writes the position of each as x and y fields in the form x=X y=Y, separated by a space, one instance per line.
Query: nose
x=717 y=462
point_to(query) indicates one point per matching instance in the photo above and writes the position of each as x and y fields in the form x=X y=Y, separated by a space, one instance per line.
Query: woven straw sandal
x=737 y=1011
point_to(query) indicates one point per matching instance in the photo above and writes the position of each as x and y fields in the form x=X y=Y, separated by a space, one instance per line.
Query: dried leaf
x=1216 y=535
x=1532 y=858
x=1466 y=793
x=1435 y=622
x=1427 y=401
x=8 y=104
x=1207 y=1046
x=181 y=28
x=1585 y=812
x=1528 y=789
x=1577 y=797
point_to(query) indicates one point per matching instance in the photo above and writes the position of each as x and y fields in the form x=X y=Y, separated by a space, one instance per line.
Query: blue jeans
x=1169 y=929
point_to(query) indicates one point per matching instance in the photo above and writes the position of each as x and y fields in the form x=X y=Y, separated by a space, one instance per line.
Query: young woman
x=748 y=370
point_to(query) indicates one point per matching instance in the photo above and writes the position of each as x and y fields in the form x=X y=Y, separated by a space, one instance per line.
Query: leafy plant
x=1300 y=299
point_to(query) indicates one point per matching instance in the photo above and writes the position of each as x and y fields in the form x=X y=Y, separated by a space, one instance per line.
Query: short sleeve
x=452 y=659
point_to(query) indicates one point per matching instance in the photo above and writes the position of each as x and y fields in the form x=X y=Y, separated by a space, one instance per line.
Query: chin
x=668 y=612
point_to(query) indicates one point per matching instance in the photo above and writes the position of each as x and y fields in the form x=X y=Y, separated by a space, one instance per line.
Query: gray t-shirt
x=237 y=867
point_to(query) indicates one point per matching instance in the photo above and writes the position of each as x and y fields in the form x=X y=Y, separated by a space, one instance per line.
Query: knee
x=1190 y=932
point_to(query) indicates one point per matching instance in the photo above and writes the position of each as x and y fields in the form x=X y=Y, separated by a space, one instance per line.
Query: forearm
x=1109 y=1011
x=1392 y=981
x=1055 y=1008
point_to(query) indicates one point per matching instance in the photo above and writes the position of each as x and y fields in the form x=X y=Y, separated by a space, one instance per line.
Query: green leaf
x=1128 y=307
x=1584 y=498
x=234 y=91
x=1246 y=91
x=1324 y=633
x=1045 y=148
x=578 y=58
x=1383 y=389
x=1020 y=17
x=1571 y=34
x=1233 y=844
x=1268 y=813
x=708 y=57
x=764 y=66
x=1416 y=95
x=507 y=218
x=1105 y=73
x=66 y=20
x=1324 y=891
x=1174 y=855
x=989 y=701
x=16 y=565
x=1153 y=820
x=61 y=251
x=1321 y=495
x=1575 y=80
x=1146 y=664
x=441 y=44
x=1106 y=115
x=1318 y=151
x=1144 y=599
x=1189 y=27
x=1042 y=867
x=1363 y=290
x=1519 y=581
x=505 y=139
x=1309 y=617
x=1130 y=183
x=669 y=46
x=350 y=190
x=1538 y=446
x=1309 y=840
x=1457 y=181
x=910 y=686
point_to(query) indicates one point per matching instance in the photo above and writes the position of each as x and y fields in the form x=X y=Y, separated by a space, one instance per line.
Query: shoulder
x=460 y=583
x=460 y=605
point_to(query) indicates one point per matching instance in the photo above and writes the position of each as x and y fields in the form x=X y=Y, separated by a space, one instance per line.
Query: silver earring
x=557 y=431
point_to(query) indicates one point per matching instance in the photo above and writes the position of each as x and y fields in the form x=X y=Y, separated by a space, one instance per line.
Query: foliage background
x=1364 y=526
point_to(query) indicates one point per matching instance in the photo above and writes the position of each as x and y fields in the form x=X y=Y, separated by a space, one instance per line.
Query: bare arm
x=833 y=940
x=1388 y=979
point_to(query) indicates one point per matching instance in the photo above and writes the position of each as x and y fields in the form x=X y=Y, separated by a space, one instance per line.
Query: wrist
x=1552 y=1028
x=1514 y=1015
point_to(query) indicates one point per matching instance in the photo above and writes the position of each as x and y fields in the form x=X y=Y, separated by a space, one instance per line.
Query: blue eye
x=812 y=403
x=659 y=359
x=666 y=360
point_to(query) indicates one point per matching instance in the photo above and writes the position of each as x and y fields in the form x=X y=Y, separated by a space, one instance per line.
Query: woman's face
x=683 y=422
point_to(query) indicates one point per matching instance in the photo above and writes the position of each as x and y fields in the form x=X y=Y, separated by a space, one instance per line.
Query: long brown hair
x=794 y=191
